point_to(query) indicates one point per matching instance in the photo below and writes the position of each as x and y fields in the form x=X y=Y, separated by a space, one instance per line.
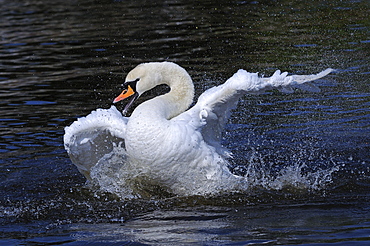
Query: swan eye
x=131 y=84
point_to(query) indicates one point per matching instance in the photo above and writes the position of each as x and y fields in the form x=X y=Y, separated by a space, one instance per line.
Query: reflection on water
x=237 y=224
x=59 y=61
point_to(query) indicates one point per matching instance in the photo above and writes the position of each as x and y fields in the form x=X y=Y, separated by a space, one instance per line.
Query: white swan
x=162 y=145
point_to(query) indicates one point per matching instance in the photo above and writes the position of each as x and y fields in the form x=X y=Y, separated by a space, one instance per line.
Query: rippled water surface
x=308 y=153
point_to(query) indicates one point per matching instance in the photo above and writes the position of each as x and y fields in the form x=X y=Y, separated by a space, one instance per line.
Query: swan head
x=146 y=76
x=142 y=78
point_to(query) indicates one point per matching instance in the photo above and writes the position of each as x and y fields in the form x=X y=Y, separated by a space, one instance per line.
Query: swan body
x=163 y=144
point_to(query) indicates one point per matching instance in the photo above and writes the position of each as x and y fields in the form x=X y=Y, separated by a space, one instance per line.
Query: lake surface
x=307 y=153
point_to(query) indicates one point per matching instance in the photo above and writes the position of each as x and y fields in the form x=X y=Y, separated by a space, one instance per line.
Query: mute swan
x=162 y=145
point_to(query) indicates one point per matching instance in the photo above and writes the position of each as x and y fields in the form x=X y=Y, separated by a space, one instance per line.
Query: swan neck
x=181 y=93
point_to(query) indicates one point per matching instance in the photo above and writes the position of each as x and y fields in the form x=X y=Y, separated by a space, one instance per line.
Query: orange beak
x=125 y=94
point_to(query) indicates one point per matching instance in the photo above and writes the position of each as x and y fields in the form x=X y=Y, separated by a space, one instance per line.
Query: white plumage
x=163 y=145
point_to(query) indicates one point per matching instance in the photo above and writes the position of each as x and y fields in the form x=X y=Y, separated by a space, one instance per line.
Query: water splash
x=290 y=177
x=108 y=174
x=112 y=174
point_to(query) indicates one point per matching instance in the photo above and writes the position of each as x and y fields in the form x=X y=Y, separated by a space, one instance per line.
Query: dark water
x=309 y=153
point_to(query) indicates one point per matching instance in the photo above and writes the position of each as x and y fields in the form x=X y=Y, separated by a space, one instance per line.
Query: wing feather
x=213 y=108
x=84 y=138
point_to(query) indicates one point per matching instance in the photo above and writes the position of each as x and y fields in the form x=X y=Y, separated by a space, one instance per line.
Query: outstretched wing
x=212 y=110
x=89 y=138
